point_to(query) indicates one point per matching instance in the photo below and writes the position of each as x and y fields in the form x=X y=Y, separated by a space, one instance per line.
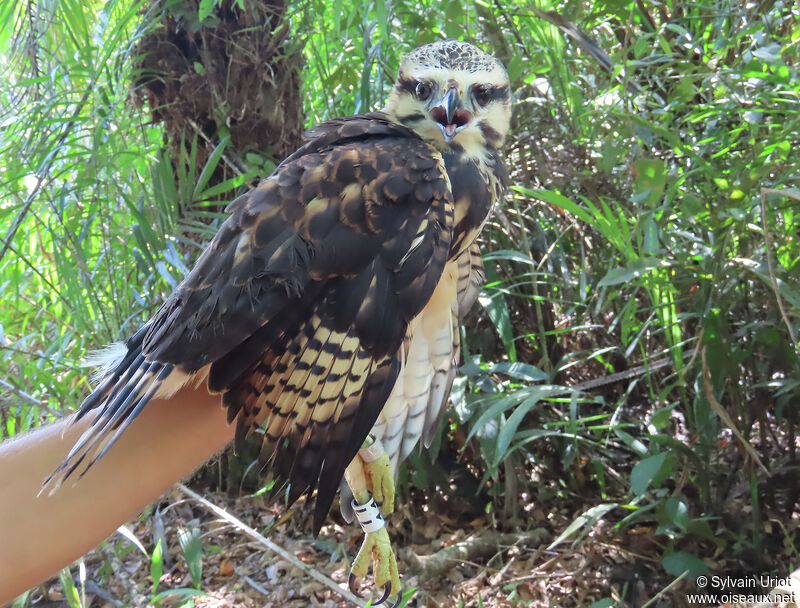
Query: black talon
x=399 y=599
x=351 y=582
x=387 y=589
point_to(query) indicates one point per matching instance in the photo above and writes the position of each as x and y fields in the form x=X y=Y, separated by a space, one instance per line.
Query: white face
x=453 y=107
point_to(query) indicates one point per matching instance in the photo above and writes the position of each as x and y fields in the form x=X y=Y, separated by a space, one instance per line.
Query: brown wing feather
x=297 y=309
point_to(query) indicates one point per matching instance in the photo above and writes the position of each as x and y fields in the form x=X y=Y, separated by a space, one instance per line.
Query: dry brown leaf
x=226 y=568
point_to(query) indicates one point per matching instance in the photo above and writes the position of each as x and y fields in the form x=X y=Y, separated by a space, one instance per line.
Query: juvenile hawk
x=326 y=308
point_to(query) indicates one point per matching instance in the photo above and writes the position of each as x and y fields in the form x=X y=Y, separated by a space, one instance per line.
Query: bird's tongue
x=450 y=130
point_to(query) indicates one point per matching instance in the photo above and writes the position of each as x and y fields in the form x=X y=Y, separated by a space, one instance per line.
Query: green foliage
x=71 y=594
x=192 y=550
x=75 y=163
x=662 y=245
x=583 y=523
x=82 y=173
x=156 y=565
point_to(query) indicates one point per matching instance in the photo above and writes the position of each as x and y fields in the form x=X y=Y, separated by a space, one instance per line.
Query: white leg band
x=369 y=515
x=373 y=452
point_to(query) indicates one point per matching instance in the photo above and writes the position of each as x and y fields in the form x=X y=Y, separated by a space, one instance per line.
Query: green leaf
x=771 y=53
x=126 y=532
x=516 y=68
x=645 y=471
x=22 y=601
x=209 y=168
x=206 y=6
x=156 y=566
x=192 y=549
x=533 y=394
x=70 y=591
x=661 y=416
x=185 y=593
x=558 y=200
x=632 y=442
x=509 y=429
x=700 y=527
x=651 y=178
x=634 y=270
x=520 y=371
x=584 y=522
x=229 y=185
x=678 y=562
x=494 y=303
x=677 y=512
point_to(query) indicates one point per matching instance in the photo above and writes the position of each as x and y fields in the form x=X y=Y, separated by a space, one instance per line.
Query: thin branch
x=770 y=265
x=665 y=589
x=29 y=398
x=262 y=540
x=727 y=420
x=7 y=244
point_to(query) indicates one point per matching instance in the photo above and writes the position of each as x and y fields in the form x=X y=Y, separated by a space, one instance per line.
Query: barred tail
x=127 y=386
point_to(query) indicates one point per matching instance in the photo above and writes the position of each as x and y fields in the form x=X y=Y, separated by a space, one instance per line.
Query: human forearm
x=40 y=535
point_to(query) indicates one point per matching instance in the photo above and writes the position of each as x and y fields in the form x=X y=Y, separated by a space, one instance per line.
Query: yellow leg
x=371 y=479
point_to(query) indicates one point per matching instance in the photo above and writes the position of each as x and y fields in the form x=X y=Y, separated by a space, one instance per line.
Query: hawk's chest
x=428 y=355
x=477 y=184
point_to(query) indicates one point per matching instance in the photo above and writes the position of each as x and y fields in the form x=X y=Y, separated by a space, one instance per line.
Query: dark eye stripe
x=497 y=93
x=409 y=85
x=411 y=118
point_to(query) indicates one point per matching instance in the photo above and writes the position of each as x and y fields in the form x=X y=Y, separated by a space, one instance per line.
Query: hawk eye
x=482 y=93
x=424 y=90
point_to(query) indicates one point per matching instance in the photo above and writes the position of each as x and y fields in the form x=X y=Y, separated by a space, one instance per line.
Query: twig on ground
x=265 y=542
x=251 y=582
x=137 y=598
x=104 y=594
x=475 y=547
x=665 y=589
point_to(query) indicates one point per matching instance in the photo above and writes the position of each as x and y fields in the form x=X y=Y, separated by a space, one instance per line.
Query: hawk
x=325 y=311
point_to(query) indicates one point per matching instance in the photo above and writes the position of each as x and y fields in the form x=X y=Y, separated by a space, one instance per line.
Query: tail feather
x=126 y=388
x=105 y=396
x=123 y=423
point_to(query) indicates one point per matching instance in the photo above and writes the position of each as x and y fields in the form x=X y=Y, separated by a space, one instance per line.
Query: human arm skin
x=39 y=535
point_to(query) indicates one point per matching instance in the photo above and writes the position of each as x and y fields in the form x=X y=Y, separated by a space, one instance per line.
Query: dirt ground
x=449 y=562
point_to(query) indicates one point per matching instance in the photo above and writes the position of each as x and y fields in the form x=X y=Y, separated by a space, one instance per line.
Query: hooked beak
x=450 y=117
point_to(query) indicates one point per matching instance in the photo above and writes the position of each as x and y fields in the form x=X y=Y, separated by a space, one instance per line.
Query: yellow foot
x=380 y=482
x=370 y=478
x=376 y=548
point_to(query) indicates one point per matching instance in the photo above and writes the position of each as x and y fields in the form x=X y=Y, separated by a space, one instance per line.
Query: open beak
x=449 y=115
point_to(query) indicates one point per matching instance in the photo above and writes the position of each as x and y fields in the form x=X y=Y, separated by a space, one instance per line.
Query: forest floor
x=450 y=561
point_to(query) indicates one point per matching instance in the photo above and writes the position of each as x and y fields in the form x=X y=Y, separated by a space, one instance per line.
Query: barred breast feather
x=429 y=360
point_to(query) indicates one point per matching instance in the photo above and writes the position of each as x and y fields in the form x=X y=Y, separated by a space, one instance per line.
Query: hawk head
x=453 y=95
